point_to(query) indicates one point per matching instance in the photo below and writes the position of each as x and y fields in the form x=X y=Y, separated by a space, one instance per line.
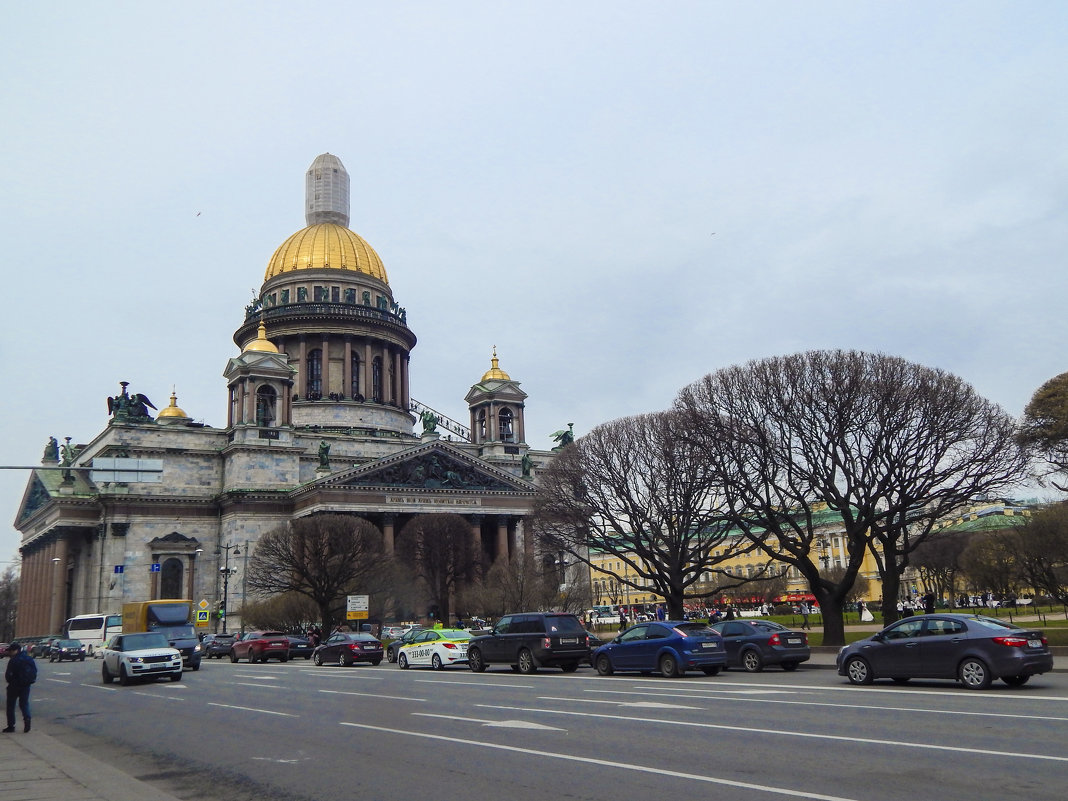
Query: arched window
x=313 y=387
x=354 y=390
x=376 y=379
x=266 y=399
x=482 y=425
x=505 y=421
x=171 y=573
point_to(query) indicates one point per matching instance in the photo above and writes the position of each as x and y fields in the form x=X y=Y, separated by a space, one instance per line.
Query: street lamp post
x=225 y=570
x=52 y=605
x=244 y=586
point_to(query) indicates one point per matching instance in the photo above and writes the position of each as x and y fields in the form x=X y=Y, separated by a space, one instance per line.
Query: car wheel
x=711 y=671
x=604 y=666
x=669 y=667
x=526 y=663
x=82 y=659
x=435 y=662
x=376 y=662
x=858 y=672
x=124 y=677
x=974 y=674
x=195 y=667
x=752 y=661
x=105 y=674
x=402 y=661
x=391 y=655
x=474 y=661
x=317 y=658
x=176 y=677
x=344 y=659
x=1016 y=681
x=233 y=655
x=789 y=666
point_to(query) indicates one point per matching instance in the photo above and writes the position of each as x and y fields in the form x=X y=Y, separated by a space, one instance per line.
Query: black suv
x=530 y=640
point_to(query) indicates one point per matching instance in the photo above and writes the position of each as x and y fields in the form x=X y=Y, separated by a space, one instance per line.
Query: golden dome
x=495 y=372
x=261 y=343
x=173 y=411
x=326 y=246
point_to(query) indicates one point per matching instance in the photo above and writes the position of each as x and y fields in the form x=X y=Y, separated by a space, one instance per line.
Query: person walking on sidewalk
x=20 y=675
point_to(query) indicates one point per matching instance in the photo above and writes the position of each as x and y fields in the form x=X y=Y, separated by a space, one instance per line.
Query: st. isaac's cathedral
x=319 y=419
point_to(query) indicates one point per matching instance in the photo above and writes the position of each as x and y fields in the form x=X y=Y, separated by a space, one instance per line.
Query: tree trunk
x=833 y=620
x=891 y=582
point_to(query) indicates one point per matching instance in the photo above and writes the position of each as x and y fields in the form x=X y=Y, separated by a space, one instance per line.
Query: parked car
x=973 y=649
x=217 y=645
x=394 y=647
x=348 y=647
x=43 y=647
x=67 y=649
x=259 y=646
x=395 y=632
x=299 y=646
x=435 y=648
x=3 y=649
x=143 y=655
x=530 y=640
x=671 y=647
x=754 y=644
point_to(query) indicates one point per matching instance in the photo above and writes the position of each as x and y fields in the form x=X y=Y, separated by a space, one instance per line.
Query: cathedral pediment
x=36 y=496
x=433 y=466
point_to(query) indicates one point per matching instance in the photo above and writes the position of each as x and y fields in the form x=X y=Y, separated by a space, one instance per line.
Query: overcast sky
x=622 y=197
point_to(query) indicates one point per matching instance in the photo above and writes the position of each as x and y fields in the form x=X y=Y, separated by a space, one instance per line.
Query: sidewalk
x=37 y=766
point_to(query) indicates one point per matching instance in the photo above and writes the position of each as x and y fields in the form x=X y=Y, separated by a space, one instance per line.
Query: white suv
x=144 y=655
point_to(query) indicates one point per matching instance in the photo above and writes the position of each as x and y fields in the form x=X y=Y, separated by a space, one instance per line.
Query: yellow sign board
x=361 y=615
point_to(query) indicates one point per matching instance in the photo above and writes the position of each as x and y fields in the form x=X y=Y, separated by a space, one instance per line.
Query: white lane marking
x=607 y=763
x=784 y=733
x=153 y=695
x=783 y=702
x=259 y=686
x=503 y=724
x=281 y=761
x=60 y=681
x=337 y=674
x=274 y=677
x=374 y=695
x=478 y=684
x=253 y=709
x=1001 y=694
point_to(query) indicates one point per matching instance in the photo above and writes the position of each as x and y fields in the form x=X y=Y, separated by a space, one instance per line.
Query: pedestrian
x=929 y=603
x=804 y=616
x=20 y=675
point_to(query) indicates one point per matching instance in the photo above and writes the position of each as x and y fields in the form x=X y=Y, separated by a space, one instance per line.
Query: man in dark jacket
x=21 y=673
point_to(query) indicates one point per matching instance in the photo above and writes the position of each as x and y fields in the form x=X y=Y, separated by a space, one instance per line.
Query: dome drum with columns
x=318 y=419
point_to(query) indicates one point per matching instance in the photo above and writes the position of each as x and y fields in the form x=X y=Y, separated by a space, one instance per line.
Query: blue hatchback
x=671 y=647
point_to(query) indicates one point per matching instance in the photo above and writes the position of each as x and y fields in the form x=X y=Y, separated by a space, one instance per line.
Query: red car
x=259 y=646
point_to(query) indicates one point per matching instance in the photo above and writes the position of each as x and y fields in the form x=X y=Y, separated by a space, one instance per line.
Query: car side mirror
x=878 y=637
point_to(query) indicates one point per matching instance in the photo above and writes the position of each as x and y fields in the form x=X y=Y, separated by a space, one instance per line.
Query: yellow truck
x=169 y=616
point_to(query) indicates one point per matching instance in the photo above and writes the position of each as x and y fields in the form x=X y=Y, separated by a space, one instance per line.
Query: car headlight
x=137 y=659
x=196 y=648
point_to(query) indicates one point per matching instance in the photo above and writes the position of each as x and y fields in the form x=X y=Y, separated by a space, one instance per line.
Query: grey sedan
x=972 y=649
x=754 y=644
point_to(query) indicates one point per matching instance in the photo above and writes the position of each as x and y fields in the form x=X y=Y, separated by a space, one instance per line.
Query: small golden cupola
x=173 y=414
x=260 y=344
x=495 y=373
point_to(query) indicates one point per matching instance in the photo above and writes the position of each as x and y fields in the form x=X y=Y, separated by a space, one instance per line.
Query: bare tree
x=9 y=602
x=440 y=551
x=513 y=586
x=937 y=560
x=991 y=564
x=289 y=612
x=633 y=488
x=324 y=557
x=888 y=445
x=1044 y=427
x=1041 y=547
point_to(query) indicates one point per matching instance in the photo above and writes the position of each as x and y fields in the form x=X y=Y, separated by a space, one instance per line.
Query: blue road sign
x=154 y=567
x=118 y=568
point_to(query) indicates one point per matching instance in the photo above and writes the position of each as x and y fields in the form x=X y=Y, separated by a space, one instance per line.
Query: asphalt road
x=295 y=731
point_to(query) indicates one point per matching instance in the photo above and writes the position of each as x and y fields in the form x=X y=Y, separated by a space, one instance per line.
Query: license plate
x=568 y=640
x=792 y=640
x=710 y=645
x=1034 y=643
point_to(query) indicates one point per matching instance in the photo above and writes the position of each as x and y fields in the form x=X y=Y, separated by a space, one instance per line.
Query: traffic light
x=222 y=611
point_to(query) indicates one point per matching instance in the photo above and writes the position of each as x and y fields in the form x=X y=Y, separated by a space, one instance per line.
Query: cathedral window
x=376 y=380
x=482 y=425
x=170 y=578
x=350 y=296
x=505 y=422
x=302 y=294
x=285 y=297
x=335 y=294
x=354 y=390
x=266 y=399
x=366 y=298
x=314 y=384
x=320 y=294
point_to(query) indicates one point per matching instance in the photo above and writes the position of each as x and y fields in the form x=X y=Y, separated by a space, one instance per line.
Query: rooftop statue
x=564 y=437
x=130 y=407
x=430 y=422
